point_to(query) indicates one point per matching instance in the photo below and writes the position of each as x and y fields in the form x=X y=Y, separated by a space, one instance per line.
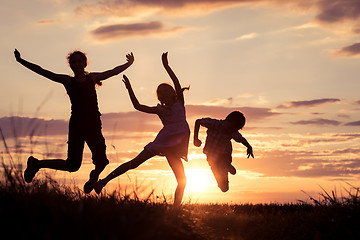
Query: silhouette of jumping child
x=173 y=139
x=84 y=124
x=218 y=148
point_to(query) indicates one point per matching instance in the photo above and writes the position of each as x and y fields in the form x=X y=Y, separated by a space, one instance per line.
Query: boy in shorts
x=218 y=148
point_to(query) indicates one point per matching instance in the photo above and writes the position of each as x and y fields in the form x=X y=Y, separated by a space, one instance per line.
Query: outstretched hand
x=130 y=58
x=17 y=55
x=250 y=152
x=126 y=82
x=165 y=59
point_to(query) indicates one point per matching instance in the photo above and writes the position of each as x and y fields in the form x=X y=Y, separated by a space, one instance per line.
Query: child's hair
x=237 y=118
x=72 y=54
x=170 y=87
x=83 y=55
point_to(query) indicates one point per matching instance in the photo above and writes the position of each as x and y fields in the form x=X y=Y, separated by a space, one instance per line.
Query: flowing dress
x=173 y=138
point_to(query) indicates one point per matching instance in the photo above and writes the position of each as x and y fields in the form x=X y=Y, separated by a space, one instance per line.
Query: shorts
x=220 y=167
x=83 y=130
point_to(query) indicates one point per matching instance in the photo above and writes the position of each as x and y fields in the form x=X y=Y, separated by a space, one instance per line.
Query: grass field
x=46 y=209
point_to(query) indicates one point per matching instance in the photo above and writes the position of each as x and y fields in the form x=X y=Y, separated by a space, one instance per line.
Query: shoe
x=31 y=169
x=232 y=170
x=99 y=185
x=89 y=185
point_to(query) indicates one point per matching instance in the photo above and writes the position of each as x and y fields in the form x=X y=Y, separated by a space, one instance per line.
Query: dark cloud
x=327 y=12
x=356 y=123
x=334 y=11
x=308 y=103
x=345 y=168
x=23 y=126
x=221 y=112
x=133 y=121
x=349 y=51
x=317 y=121
x=119 y=31
x=347 y=151
x=303 y=163
x=170 y=7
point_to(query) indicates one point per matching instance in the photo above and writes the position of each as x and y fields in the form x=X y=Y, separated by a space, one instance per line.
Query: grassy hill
x=45 y=209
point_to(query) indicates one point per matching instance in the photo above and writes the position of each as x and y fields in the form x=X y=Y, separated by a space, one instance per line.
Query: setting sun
x=198 y=179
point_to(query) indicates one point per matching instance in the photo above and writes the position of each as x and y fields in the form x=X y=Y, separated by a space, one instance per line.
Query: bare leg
x=221 y=176
x=178 y=169
x=123 y=168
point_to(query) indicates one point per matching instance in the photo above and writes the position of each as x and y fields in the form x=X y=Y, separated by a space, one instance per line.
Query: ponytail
x=185 y=88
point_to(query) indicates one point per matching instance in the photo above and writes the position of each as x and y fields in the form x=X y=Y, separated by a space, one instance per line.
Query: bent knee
x=224 y=188
x=71 y=167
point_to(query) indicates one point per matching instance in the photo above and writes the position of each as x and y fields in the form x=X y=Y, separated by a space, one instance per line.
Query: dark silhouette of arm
x=197 y=141
x=60 y=78
x=175 y=80
x=249 y=151
x=100 y=76
x=135 y=102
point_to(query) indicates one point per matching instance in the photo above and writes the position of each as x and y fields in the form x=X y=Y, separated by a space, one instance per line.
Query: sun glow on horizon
x=198 y=180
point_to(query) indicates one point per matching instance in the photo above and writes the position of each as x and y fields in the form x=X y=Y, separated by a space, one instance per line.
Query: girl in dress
x=84 y=124
x=173 y=139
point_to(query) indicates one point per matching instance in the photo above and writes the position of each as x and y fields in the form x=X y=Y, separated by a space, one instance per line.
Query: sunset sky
x=291 y=66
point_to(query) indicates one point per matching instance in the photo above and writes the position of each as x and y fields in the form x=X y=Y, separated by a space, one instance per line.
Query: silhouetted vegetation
x=46 y=209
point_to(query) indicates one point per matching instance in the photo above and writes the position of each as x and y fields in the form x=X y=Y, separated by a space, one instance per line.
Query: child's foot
x=89 y=185
x=232 y=170
x=99 y=185
x=31 y=169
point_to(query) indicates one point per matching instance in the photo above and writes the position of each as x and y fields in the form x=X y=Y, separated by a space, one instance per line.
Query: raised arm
x=100 y=76
x=197 y=141
x=61 y=78
x=135 y=102
x=178 y=89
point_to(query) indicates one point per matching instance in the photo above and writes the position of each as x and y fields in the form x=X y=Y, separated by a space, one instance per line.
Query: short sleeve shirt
x=218 y=142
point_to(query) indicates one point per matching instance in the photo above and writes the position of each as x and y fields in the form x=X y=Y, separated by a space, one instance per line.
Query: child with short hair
x=218 y=148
